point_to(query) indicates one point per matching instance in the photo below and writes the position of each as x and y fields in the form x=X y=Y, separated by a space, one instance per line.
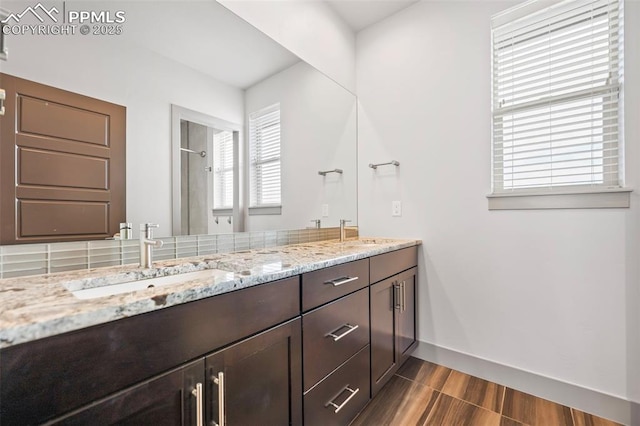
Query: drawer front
x=345 y=391
x=388 y=264
x=325 y=285
x=347 y=320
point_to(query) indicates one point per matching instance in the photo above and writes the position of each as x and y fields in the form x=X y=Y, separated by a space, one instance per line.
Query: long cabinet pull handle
x=351 y=329
x=345 y=402
x=396 y=296
x=197 y=392
x=3 y=96
x=219 y=380
x=339 y=281
x=404 y=296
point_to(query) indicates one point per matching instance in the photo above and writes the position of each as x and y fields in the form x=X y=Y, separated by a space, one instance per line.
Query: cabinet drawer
x=388 y=264
x=325 y=285
x=347 y=319
x=346 y=391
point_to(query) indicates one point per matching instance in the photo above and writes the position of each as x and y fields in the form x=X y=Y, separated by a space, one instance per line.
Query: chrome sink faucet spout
x=343 y=230
x=146 y=242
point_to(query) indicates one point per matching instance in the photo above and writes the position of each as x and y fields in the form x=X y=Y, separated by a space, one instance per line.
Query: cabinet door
x=406 y=314
x=258 y=380
x=393 y=325
x=383 y=337
x=165 y=400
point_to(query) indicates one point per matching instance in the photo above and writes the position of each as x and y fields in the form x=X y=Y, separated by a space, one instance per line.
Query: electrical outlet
x=325 y=210
x=396 y=208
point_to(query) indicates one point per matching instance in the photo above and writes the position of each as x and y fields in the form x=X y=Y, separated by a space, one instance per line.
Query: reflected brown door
x=62 y=165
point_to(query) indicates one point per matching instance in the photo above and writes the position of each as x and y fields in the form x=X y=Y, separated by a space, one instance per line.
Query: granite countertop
x=41 y=306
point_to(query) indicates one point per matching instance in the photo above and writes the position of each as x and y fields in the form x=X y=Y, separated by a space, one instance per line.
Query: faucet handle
x=344 y=221
x=146 y=229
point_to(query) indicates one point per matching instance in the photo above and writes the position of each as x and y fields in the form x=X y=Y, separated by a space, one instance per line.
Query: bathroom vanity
x=300 y=334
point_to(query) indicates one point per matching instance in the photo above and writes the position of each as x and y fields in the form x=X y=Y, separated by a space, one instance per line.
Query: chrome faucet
x=317 y=223
x=146 y=242
x=343 y=231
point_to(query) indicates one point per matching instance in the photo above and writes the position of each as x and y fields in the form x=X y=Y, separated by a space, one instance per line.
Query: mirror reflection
x=221 y=79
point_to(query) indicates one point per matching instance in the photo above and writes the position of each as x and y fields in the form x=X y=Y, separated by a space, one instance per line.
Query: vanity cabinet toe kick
x=207 y=363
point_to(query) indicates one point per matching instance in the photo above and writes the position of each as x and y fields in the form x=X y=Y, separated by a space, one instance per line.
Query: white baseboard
x=591 y=401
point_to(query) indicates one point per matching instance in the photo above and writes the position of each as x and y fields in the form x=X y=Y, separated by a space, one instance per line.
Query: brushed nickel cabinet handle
x=345 y=402
x=340 y=281
x=351 y=329
x=404 y=296
x=3 y=96
x=219 y=380
x=197 y=392
x=396 y=296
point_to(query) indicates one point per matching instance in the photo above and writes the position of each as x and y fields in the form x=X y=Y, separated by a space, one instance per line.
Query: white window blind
x=264 y=153
x=557 y=76
x=223 y=170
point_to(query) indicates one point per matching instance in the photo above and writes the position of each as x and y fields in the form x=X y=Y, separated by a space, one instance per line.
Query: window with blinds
x=223 y=170
x=557 y=76
x=264 y=155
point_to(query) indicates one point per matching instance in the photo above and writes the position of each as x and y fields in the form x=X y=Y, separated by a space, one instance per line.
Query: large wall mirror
x=169 y=57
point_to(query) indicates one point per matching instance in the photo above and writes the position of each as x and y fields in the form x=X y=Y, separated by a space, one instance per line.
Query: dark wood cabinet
x=406 y=337
x=259 y=380
x=336 y=343
x=328 y=339
x=393 y=306
x=383 y=343
x=166 y=400
x=132 y=350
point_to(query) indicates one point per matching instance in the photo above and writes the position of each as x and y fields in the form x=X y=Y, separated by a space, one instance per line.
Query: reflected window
x=223 y=170
x=264 y=155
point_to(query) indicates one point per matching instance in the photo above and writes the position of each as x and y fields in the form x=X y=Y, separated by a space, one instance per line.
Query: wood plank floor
x=422 y=393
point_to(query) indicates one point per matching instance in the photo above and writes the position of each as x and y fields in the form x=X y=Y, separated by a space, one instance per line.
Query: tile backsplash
x=34 y=259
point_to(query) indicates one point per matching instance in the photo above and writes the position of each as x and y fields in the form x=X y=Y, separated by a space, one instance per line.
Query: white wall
x=552 y=292
x=309 y=29
x=318 y=132
x=143 y=81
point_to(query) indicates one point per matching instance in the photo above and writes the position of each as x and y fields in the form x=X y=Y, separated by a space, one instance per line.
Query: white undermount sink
x=127 y=287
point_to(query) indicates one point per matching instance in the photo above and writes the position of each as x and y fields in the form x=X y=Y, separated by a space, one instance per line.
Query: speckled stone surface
x=42 y=305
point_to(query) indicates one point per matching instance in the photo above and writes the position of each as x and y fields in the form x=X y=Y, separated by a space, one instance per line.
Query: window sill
x=222 y=212
x=265 y=210
x=594 y=199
